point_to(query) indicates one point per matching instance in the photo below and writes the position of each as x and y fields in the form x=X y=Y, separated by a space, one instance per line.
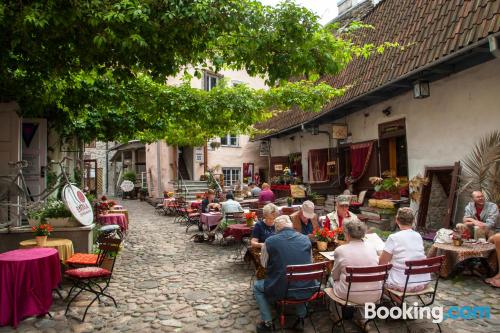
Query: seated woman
x=264 y=228
x=210 y=202
x=356 y=254
x=400 y=247
x=340 y=215
x=266 y=194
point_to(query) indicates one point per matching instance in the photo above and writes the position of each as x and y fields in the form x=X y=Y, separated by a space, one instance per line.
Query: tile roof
x=433 y=29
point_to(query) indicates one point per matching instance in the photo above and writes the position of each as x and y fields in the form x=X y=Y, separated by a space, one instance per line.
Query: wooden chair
x=359 y=275
x=418 y=267
x=94 y=279
x=316 y=272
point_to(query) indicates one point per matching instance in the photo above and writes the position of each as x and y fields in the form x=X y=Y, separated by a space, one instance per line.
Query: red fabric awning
x=360 y=157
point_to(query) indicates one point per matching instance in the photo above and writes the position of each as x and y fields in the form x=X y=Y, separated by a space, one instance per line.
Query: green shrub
x=130 y=175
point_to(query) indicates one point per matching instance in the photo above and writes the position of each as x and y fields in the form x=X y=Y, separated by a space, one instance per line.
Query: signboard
x=297 y=191
x=278 y=167
x=127 y=186
x=331 y=168
x=78 y=204
x=339 y=131
x=198 y=154
x=264 y=148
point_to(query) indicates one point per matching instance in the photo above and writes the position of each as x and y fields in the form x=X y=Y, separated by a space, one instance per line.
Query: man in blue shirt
x=287 y=247
x=265 y=228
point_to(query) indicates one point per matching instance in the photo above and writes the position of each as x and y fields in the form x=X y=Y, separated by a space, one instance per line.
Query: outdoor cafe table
x=168 y=202
x=210 y=219
x=454 y=255
x=26 y=282
x=238 y=231
x=115 y=218
x=120 y=211
x=63 y=246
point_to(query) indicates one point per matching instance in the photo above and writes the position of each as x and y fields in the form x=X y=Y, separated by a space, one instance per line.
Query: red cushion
x=88 y=272
x=82 y=259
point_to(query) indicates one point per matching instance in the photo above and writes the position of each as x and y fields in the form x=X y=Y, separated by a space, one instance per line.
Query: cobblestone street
x=165 y=282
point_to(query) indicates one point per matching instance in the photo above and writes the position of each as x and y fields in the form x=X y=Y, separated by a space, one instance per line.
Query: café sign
x=78 y=204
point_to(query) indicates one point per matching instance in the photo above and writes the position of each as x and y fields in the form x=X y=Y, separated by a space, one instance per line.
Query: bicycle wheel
x=9 y=189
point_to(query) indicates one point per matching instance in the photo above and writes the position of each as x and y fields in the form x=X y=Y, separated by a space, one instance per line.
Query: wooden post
x=205 y=157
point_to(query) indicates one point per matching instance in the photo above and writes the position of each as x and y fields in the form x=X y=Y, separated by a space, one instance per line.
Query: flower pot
x=322 y=246
x=457 y=242
x=62 y=222
x=41 y=241
x=250 y=223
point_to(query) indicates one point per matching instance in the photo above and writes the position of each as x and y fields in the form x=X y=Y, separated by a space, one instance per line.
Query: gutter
x=403 y=77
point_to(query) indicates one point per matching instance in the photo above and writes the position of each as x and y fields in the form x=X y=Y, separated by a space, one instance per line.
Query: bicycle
x=16 y=197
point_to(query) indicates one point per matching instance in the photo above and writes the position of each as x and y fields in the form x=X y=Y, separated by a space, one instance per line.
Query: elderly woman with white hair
x=264 y=228
x=286 y=247
x=355 y=254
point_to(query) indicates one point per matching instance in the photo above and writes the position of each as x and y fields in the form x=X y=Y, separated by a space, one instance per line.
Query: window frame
x=228 y=140
x=229 y=182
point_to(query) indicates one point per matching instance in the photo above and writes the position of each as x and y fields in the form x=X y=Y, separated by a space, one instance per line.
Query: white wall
x=442 y=128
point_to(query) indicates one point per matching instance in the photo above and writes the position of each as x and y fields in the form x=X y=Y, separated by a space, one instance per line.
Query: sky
x=325 y=9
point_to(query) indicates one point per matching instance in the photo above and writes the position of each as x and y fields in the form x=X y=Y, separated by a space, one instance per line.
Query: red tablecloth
x=238 y=231
x=196 y=204
x=210 y=219
x=27 y=277
x=114 y=218
x=280 y=187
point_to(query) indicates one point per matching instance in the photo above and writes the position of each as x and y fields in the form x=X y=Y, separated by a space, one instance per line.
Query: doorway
x=437 y=206
x=393 y=149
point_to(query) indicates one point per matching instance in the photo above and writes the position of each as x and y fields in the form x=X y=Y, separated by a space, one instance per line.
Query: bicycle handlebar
x=20 y=164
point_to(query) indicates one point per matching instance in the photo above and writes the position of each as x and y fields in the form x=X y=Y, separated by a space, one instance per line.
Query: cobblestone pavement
x=164 y=282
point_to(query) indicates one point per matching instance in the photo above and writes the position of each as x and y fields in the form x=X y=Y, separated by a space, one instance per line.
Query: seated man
x=355 y=253
x=230 y=205
x=480 y=215
x=285 y=248
x=400 y=247
x=264 y=228
x=340 y=215
x=495 y=280
x=305 y=220
x=266 y=195
x=255 y=190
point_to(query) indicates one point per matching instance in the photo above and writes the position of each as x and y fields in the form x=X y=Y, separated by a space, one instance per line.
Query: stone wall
x=438 y=203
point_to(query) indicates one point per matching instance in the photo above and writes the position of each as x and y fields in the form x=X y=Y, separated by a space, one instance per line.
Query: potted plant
x=250 y=218
x=340 y=237
x=130 y=175
x=289 y=201
x=42 y=231
x=323 y=237
x=214 y=145
x=34 y=214
x=416 y=185
x=56 y=213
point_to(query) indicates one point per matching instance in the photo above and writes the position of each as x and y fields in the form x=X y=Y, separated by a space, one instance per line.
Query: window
x=210 y=81
x=232 y=176
x=230 y=140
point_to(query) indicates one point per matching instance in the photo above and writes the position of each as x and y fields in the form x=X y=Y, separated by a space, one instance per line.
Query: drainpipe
x=106 y=177
x=158 y=171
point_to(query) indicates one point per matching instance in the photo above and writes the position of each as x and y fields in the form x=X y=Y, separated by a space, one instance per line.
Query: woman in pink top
x=356 y=254
x=266 y=195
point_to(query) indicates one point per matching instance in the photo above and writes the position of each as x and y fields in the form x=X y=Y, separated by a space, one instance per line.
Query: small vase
x=457 y=242
x=41 y=241
x=249 y=223
x=322 y=246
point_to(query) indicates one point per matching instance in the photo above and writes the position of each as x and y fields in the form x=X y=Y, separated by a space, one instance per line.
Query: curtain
x=360 y=157
x=317 y=165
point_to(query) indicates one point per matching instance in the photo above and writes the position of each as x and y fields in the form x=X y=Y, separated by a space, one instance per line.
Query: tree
x=98 y=67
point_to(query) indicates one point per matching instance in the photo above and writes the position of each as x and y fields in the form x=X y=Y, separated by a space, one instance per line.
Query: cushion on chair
x=88 y=272
x=428 y=290
x=82 y=259
x=194 y=215
x=335 y=298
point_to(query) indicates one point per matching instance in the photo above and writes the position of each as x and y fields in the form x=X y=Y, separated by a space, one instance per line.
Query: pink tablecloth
x=27 y=277
x=238 y=231
x=114 y=218
x=210 y=219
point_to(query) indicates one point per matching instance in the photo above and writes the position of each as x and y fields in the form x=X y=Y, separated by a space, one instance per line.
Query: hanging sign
x=339 y=131
x=264 y=148
x=78 y=204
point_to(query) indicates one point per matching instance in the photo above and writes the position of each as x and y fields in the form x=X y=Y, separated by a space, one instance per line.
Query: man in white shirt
x=400 y=247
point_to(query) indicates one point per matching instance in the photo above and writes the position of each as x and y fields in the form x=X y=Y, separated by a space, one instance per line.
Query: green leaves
x=98 y=68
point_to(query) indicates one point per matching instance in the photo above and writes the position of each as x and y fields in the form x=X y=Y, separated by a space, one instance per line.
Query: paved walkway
x=165 y=282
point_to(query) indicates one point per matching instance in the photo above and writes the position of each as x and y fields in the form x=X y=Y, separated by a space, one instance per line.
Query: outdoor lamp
x=421 y=89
